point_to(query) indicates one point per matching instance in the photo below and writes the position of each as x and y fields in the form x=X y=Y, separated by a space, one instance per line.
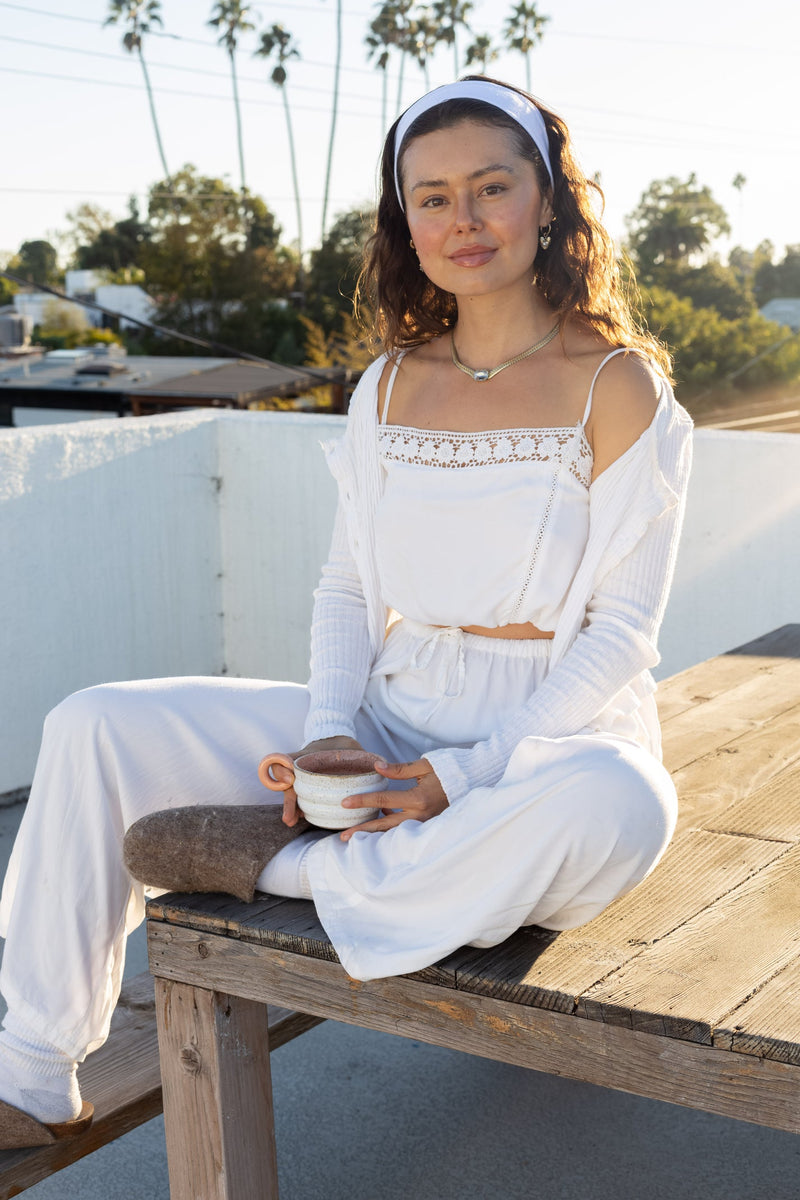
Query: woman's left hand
x=419 y=803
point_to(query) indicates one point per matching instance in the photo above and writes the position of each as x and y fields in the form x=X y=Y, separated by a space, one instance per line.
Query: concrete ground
x=368 y=1116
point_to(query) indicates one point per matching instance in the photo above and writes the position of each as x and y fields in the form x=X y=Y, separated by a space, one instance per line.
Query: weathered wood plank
x=691 y=980
x=218 y=1115
x=719 y=721
x=712 y=783
x=553 y=971
x=272 y=920
x=768 y=1023
x=706 y=681
x=771 y=811
x=735 y=1085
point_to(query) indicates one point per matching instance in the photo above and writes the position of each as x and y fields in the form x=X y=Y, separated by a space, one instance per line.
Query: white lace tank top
x=482 y=528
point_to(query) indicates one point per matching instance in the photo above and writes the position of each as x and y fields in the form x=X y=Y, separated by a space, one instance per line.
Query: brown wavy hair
x=577 y=275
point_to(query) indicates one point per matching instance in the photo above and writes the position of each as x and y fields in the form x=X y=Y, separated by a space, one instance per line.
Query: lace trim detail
x=451 y=449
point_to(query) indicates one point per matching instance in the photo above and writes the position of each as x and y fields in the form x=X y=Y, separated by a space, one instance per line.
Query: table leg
x=214 y=1051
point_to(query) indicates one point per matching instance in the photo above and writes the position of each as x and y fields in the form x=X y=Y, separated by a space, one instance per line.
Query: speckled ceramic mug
x=322 y=779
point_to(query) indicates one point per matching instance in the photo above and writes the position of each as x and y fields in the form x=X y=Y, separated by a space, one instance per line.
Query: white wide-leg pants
x=573 y=823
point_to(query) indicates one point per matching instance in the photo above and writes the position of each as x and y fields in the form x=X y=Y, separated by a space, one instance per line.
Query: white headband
x=506 y=99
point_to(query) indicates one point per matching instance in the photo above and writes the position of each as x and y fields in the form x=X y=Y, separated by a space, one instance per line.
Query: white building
x=126 y=298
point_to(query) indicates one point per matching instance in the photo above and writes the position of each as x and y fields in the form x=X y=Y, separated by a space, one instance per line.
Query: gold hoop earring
x=411 y=243
x=545 y=237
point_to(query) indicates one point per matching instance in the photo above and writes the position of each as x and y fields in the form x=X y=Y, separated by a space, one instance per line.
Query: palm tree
x=140 y=15
x=481 y=52
x=334 y=110
x=523 y=29
x=426 y=38
x=379 y=40
x=231 y=16
x=278 y=41
x=450 y=14
x=393 y=28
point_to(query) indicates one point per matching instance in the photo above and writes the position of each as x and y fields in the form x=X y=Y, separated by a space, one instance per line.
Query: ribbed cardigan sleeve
x=615 y=644
x=340 y=644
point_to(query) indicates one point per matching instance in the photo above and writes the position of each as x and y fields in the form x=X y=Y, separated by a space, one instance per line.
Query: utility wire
x=633 y=139
x=716 y=47
x=218 y=347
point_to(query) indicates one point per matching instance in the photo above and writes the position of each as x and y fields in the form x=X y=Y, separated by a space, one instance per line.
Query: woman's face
x=474 y=208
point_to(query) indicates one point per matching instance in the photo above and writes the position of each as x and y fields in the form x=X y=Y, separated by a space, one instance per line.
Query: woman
x=511 y=490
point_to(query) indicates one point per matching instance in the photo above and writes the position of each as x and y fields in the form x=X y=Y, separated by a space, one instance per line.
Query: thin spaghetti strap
x=389 y=387
x=619 y=350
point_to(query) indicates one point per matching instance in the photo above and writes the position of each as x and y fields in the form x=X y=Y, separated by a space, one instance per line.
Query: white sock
x=286 y=874
x=36 y=1076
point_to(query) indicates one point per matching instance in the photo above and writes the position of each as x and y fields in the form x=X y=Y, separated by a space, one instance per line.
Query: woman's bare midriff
x=508 y=631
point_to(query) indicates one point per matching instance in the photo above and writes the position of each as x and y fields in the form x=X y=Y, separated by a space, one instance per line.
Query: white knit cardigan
x=605 y=639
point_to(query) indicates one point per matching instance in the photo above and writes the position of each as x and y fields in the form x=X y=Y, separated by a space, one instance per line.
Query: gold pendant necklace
x=485 y=374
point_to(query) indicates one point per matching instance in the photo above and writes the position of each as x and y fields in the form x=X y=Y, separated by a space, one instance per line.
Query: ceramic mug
x=322 y=779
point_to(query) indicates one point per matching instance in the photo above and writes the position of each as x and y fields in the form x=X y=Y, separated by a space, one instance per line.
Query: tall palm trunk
x=295 y=184
x=334 y=111
x=153 y=115
x=238 y=117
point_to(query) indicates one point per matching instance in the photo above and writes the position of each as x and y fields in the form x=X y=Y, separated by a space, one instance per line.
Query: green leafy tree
x=710 y=285
x=37 y=261
x=140 y=16
x=206 y=275
x=231 y=16
x=452 y=15
x=782 y=279
x=674 y=220
x=277 y=41
x=523 y=30
x=116 y=247
x=712 y=352
x=334 y=111
x=481 y=53
x=334 y=270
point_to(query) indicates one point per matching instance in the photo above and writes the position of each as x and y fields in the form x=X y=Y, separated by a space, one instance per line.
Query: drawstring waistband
x=451 y=672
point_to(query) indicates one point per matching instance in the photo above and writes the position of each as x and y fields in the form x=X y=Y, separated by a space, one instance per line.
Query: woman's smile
x=472 y=256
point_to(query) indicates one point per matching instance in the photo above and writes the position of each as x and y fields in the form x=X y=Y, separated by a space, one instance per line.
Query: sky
x=648 y=91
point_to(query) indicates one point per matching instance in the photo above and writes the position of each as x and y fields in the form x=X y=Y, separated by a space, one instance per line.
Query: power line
x=762 y=147
x=123 y=58
x=716 y=47
x=298 y=87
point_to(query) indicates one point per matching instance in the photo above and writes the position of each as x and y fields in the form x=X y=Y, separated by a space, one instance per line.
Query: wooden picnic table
x=686 y=990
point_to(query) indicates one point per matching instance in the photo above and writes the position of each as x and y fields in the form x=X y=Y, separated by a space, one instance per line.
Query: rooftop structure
x=106 y=380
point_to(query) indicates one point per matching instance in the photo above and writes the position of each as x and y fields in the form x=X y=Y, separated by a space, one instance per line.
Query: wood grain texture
x=271 y=920
x=768 y=1023
x=217 y=1094
x=771 y=811
x=709 y=785
x=686 y=985
x=757 y=659
x=735 y=1085
x=123 y=1081
x=554 y=971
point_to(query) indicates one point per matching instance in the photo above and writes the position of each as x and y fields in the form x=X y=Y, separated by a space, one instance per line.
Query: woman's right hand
x=291 y=812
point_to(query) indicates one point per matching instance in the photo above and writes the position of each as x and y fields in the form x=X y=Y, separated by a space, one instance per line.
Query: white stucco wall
x=738 y=570
x=191 y=543
x=277 y=502
x=109 y=556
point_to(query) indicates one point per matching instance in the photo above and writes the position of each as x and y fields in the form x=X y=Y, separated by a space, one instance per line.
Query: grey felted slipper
x=19 y=1130
x=207 y=848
